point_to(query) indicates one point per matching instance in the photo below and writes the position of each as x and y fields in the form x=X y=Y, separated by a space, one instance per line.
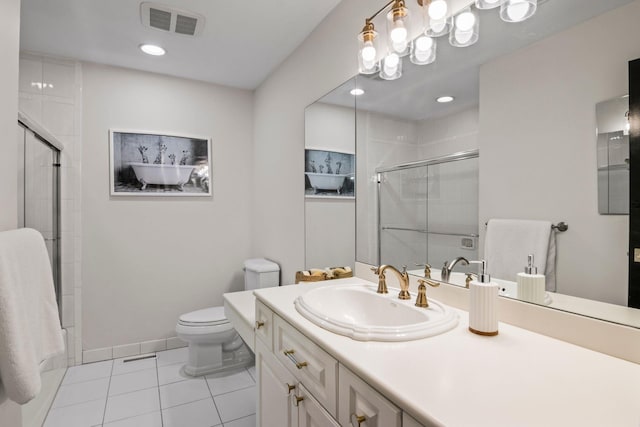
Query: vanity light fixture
x=152 y=49
x=445 y=99
x=356 y=92
x=436 y=21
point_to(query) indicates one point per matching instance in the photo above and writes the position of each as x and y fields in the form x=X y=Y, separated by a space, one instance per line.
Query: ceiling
x=456 y=70
x=241 y=43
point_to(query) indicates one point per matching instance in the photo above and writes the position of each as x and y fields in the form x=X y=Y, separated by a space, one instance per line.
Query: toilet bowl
x=214 y=345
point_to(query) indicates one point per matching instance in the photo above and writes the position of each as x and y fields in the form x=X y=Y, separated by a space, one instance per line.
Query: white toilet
x=214 y=345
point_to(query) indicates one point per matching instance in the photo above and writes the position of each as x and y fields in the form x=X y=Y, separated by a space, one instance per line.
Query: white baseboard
x=131 y=349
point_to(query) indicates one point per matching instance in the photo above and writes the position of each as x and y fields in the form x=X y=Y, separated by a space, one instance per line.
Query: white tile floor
x=152 y=393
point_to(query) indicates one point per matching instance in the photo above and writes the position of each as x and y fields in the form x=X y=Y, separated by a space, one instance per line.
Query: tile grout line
x=213 y=399
x=106 y=401
x=159 y=398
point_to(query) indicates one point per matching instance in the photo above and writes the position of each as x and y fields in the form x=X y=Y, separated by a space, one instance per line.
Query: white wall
x=9 y=45
x=147 y=260
x=330 y=235
x=538 y=145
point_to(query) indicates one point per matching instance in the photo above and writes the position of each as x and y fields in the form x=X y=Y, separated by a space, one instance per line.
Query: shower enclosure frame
x=454 y=157
x=56 y=151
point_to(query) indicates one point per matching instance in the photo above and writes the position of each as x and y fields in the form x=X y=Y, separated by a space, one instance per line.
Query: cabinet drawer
x=311 y=365
x=264 y=324
x=359 y=400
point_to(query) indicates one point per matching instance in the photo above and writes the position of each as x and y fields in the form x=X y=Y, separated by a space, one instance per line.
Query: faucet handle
x=469 y=278
x=376 y=270
x=421 y=300
x=427 y=269
x=404 y=269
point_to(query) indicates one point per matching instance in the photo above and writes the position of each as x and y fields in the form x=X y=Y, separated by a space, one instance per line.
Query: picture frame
x=329 y=173
x=144 y=163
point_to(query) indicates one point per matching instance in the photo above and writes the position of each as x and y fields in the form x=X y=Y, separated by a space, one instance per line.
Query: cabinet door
x=276 y=388
x=362 y=406
x=310 y=412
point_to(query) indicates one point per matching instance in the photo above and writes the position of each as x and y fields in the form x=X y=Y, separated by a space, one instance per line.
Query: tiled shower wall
x=51 y=94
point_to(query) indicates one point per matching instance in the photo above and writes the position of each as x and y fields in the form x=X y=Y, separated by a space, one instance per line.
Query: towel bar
x=560 y=227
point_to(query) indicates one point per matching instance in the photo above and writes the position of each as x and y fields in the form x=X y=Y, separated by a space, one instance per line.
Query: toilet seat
x=212 y=316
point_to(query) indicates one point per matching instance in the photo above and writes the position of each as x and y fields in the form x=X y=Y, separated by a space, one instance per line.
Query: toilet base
x=209 y=359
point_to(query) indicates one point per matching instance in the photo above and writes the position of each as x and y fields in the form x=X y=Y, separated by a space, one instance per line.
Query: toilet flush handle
x=259 y=324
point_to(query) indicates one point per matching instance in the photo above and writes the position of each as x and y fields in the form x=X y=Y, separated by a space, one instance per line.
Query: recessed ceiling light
x=445 y=99
x=357 y=92
x=151 y=49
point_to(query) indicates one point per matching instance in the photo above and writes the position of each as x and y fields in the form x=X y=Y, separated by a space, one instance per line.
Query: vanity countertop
x=518 y=378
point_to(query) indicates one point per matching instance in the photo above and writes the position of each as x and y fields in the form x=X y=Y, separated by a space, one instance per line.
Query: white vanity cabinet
x=300 y=384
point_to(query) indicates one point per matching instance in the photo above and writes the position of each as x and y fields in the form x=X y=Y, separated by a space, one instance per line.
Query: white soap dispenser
x=483 y=306
x=531 y=285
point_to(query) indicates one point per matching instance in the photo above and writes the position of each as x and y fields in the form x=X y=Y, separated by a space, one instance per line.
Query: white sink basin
x=360 y=313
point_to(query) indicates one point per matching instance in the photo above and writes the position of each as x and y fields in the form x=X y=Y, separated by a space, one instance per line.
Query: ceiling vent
x=166 y=18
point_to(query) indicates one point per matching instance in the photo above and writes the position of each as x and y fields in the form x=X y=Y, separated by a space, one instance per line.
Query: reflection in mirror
x=525 y=97
x=329 y=175
x=612 y=119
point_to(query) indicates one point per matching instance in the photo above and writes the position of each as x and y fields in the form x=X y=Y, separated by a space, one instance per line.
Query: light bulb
x=392 y=60
x=438 y=26
x=517 y=10
x=463 y=37
x=399 y=32
x=423 y=44
x=437 y=9
x=368 y=52
x=465 y=21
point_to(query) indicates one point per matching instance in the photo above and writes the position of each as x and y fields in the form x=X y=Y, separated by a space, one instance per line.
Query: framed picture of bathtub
x=329 y=174
x=159 y=164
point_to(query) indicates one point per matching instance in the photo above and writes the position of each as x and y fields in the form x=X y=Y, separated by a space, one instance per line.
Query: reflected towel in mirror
x=509 y=241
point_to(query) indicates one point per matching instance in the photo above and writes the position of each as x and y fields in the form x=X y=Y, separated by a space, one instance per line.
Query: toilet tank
x=260 y=273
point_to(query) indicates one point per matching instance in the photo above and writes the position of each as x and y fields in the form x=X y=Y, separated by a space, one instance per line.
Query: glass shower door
x=38 y=204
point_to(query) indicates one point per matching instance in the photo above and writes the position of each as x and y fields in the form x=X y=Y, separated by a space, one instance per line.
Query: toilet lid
x=205 y=317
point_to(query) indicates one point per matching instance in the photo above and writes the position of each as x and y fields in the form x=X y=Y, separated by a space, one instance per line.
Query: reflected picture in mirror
x=524 y=97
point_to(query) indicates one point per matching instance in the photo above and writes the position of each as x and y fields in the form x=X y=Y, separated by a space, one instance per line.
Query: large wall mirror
x=524 y=120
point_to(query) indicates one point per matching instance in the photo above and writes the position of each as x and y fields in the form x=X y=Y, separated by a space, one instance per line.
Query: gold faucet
x=421 y=300
x=403 y=278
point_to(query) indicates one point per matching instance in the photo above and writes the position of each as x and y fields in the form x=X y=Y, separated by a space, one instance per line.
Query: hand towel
x=509 y=241
x=30 y=330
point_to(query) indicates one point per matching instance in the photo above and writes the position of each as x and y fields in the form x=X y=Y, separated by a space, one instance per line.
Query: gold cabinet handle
x=291 y=387
x=357 y=420
x=298 y=400
x=259 y=324
x=299 y=365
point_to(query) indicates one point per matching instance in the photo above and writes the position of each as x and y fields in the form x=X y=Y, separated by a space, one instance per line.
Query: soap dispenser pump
x=531 y=285
x=483 y=306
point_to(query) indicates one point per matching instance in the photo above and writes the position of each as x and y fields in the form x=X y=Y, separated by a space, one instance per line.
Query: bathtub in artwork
x=157 y=174
x=325 y=181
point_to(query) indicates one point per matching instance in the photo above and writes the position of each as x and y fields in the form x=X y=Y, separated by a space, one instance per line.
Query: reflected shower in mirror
x=612 y=119
x=329 y=179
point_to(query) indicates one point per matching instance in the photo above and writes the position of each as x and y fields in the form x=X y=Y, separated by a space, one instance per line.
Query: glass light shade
x=423 y=50
x=391 y=67
x=398 y=28
x=368 y=51
x=488 y=4
x=465 y=29
x=439 y=24
x=517 y=10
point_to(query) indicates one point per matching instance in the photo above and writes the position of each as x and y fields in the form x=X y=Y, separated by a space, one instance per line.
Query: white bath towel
x=508 y=242
x=30 y=329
